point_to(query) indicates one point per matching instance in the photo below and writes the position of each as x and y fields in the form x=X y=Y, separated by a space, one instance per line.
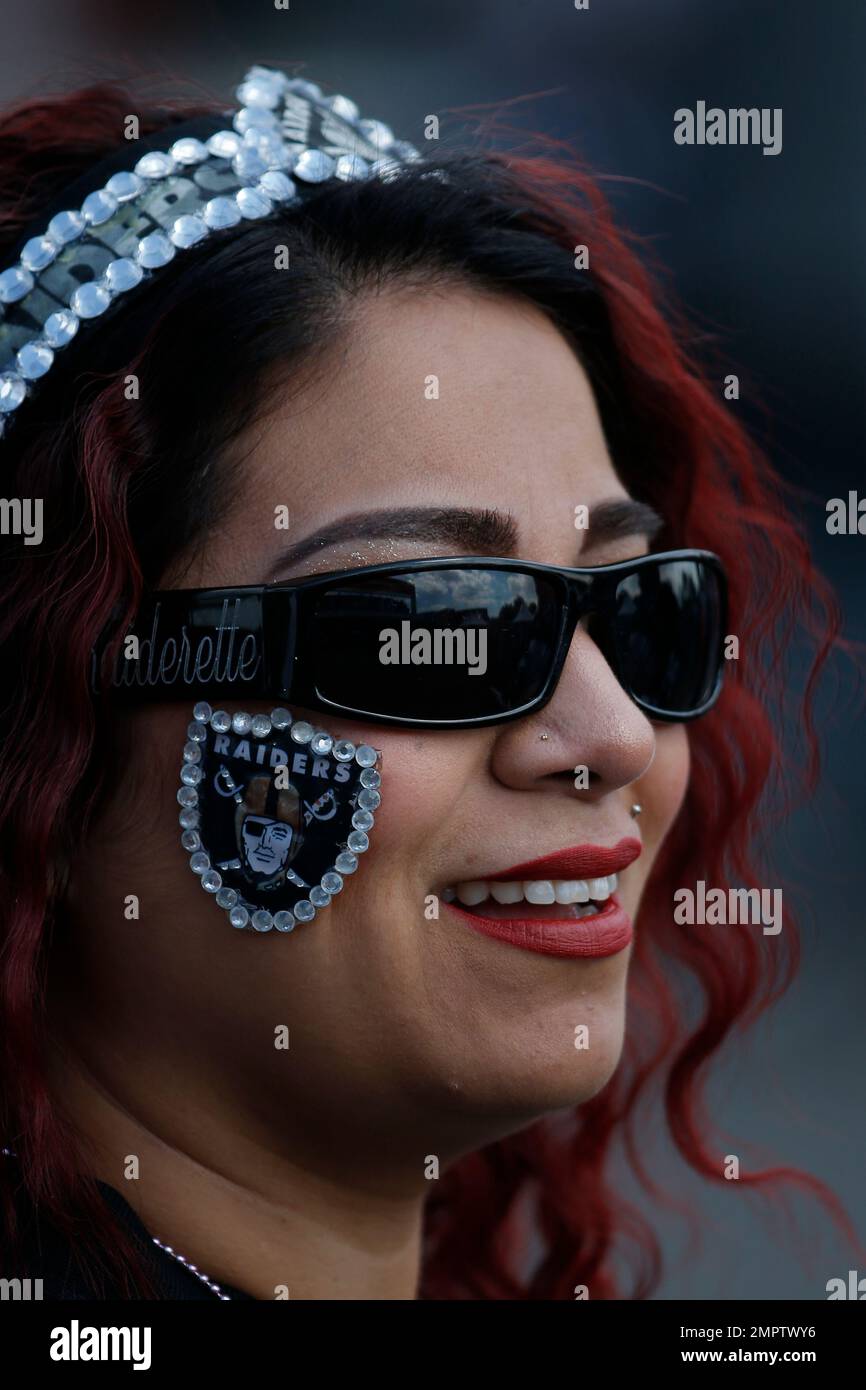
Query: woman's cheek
x=661 y=793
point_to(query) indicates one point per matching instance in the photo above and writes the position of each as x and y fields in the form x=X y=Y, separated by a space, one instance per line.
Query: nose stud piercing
x=544 y=737
x=636 y=810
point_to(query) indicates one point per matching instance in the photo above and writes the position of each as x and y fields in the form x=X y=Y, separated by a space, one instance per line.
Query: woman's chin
x=517 y=1085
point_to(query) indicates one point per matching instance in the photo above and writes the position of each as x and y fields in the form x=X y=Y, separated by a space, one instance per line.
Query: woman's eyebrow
x=476 y=531
x=619 y=517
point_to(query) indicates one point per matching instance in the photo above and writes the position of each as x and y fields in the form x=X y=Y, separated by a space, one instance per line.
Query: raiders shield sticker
x=274 y=813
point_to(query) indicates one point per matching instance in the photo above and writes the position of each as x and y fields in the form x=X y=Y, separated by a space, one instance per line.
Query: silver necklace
x=181 y=1259
x=193 y=1269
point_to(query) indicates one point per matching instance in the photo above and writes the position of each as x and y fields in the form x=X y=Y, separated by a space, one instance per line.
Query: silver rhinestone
x=34 y=360
x=189 y=819
x=278 y=186
x=321 y=743
x=379 y=134
x=344 y=751
x=275 y=75
x=197 y=732
x=259 y=91
x=284 y=921
x=98 y=207
x=369 y=800
x=123 y=274
x=248 y=164
x=261 y=725
x=220 y=721
x=262 y=921
x=60 y=328
x=66 y=227
x=302 y=732
x=256 y=118
x=186 y=231
x=332 y=883
x=280 y=718
x=370 y=777
x=12 y=392
x=221 y=212
x=345 y=863
x=191 y=840
x=211 y=882
x=241 y=722
x=304 y=910
x=365 y=756
x=188 y=796
x=226 y=897
x=224 y=144
x=357 y=842
x=191 y=775
x=39 y=252
x=253 y=204
x=343 y=107
x=155 y=250
x=90 y=300
x=269 y=147
x=199 y=862
x=188 y=150
x=202 y=712
x=239 y=917
x=314 y=166
x=191 y=752
x=125 y=186
x=351 y=166
x=319 y=897
x=14 y=284
x=155 y=165
x=361 y=820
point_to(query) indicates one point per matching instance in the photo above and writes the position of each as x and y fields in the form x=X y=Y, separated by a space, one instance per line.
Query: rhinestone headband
x=285 y=138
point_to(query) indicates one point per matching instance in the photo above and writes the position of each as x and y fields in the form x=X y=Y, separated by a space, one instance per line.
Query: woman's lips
x=555 y=928
x=603 y=934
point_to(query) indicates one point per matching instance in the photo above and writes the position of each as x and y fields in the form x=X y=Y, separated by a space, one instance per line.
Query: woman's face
x=408 y=1031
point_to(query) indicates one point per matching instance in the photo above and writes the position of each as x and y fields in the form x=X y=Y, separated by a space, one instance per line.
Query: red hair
x=549 y=1184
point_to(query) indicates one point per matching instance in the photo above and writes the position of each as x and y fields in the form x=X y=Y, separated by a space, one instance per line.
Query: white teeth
x=506 y=892
x=570 y=890
x=538 y=890
x=472 y=893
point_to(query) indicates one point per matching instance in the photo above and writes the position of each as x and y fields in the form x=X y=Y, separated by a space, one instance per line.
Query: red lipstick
x=582 y=861
x=604 y=933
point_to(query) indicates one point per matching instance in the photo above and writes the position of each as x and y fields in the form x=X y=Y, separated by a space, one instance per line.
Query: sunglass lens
x=668 y=635
x=438 y=644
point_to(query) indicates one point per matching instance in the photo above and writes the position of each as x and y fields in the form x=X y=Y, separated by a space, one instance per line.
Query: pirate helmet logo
x=268 y=831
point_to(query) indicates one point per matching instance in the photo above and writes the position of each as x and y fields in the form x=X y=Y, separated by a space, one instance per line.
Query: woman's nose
x=590 y=722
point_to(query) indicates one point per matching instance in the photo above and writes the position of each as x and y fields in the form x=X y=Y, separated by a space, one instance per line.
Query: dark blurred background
x=767 y=253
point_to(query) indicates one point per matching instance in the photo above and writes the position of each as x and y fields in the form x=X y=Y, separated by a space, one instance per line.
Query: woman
x=386 y=1053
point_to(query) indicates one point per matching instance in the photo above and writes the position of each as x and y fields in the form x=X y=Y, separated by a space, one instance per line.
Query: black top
x=48 y=1256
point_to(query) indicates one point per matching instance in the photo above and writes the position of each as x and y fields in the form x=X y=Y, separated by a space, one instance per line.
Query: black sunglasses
x=439 y=644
